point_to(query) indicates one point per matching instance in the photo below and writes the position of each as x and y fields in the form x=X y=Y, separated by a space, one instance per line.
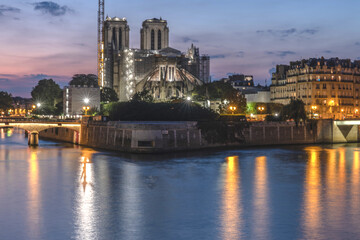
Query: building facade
x=77 y=97
x=164 y=71
x=328 y=87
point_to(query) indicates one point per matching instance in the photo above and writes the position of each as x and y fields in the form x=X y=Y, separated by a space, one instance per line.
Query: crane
x=100 y=42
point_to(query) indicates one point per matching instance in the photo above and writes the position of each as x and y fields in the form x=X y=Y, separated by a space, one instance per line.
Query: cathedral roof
x=170 y=52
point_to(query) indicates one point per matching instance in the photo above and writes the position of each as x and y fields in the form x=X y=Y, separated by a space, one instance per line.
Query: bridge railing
x=29 y=120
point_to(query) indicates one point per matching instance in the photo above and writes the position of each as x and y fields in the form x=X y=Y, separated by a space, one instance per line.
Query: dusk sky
x=56 y=39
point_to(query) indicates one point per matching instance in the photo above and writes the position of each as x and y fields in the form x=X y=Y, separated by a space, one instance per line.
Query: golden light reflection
x=312 y=193
x=331 y=184
x=261 y=207
x=355 y=188
x=34 y=195
x=232 y=210
x=86 y=198
x=2 y=133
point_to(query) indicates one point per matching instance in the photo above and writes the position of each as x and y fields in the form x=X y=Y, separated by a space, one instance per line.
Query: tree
x=108 y=95
x=143 y=96
x=48 y=93
x=5 y=101
x=84 y=80
x=223 y=91
x=295 y=110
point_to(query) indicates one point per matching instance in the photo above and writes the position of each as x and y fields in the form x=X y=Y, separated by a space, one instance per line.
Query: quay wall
x=148 y=137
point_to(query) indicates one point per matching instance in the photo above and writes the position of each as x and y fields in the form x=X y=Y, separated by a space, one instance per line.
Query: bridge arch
x=33 y=128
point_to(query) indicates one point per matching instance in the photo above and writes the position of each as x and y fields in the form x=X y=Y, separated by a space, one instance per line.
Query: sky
x=57 y=39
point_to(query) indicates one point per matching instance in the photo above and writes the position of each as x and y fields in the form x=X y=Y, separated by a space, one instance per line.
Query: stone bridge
x=33 y=127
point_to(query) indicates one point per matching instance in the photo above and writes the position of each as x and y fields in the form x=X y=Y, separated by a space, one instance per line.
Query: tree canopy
x=220 y=90
x=295 y=110
x=143 y=96
x=49 y=94
x=145 y=111
x=84 y=80
x=5 y=101
x=108 y=95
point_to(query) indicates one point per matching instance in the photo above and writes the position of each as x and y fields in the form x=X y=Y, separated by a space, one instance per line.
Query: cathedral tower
x=116 y=38
x=154 y=34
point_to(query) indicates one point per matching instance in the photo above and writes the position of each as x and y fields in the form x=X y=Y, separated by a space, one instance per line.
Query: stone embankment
x=149 y=137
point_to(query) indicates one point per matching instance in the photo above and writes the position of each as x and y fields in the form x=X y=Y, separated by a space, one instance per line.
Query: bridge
x=33 y=127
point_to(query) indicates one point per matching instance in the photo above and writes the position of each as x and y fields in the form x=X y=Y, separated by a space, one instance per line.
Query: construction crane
x=100 y=43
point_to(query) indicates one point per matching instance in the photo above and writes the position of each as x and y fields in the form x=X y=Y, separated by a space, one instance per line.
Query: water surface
x=62 y=191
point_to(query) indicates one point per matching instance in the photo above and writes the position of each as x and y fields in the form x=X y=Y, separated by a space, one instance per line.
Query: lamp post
x=86 y=108
x=313 y=108
x=232 y=109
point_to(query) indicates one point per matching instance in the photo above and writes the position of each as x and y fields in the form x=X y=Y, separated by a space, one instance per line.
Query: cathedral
x=165 y=72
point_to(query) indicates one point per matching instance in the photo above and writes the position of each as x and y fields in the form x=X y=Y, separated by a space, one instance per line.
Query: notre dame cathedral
x=166 y=72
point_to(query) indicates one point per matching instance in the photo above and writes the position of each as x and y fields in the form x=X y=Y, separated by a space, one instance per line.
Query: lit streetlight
x=232 y=109
x=86 y=108
x=86 y=100
x=38 y=105
x=261 y=109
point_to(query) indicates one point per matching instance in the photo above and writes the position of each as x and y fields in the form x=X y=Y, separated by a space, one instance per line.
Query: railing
x=27 y=120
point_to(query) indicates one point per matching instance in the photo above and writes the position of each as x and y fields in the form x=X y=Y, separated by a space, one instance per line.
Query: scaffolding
x=100 y=42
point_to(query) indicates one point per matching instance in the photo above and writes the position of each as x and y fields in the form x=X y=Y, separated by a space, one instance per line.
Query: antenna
x=100 y=42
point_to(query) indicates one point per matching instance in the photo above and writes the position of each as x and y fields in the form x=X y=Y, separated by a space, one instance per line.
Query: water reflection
x=261 y=201
x=85 y=207
x=232 y=209
x=355 y=189
x=34 y=201
x=312 y=192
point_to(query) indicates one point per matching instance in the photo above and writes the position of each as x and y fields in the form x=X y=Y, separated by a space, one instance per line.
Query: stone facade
x=154 y=34
x=166 y=72
x=328 y=87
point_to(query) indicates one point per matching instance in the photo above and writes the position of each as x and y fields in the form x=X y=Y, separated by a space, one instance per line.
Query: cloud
x=51 y=8
x=22 y=85
x=328 y=51
x=272 y=70
x=288 y=32
x=239 y=54
x=357 y=43
x=217 y=56
x=188 y=39
x=4 y=80
x=280 y=53
x=8 y=9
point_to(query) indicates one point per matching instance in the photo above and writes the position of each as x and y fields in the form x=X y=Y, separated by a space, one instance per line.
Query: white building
x=259 y=96
x=77 y=97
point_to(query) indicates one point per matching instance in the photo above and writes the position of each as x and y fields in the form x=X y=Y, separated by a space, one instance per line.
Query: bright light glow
x=86 y=100
x=38 y=105
x=276 y=114
x=188 y=98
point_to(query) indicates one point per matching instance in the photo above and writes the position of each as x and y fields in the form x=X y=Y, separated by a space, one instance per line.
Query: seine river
x=61 y=191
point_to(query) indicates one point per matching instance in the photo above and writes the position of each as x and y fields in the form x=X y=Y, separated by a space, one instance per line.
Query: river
x=62 y=191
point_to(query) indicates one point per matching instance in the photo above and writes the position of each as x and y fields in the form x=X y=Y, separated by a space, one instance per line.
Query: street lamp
x=232 y=108
x=86 y=100
x=261 y=109
x=313 y=109
x=188 y=98
x=38 y=105
x=86 y=108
